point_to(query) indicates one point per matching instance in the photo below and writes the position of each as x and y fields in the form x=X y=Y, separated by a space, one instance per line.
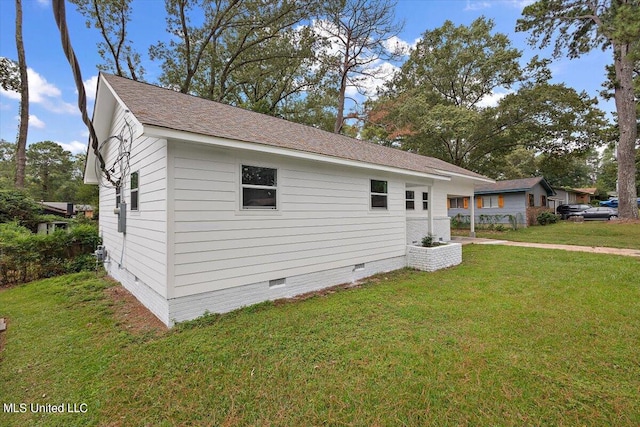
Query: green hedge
x=25 y=256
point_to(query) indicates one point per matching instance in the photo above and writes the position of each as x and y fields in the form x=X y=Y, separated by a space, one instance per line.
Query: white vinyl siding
x=323 y=221
x=142 y=251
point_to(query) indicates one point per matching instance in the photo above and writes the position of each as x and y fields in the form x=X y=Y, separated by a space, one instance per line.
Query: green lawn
x=612 y=234
x=498 y=340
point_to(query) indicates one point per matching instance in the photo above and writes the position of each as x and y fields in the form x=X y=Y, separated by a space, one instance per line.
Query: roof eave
x=161 y=132
x=495 y=191
x=475 y=179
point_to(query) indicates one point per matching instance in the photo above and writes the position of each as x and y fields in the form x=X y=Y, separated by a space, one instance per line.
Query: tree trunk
x=341 y=99
x=337 y=128
x=21 y=148
x=626 y=108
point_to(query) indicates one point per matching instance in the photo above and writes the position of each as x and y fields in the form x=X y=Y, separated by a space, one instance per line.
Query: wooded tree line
x=301 y=60
x=52 y=173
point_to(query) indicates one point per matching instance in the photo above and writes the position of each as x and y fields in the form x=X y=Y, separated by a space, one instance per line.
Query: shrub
x=25 y=256
x=15 y=205
x=461 y=221
x=547 y=217
x=428 y=242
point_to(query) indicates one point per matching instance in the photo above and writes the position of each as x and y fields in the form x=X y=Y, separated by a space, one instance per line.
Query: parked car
x=565 y=210
x=596 y=213
x=613 y=203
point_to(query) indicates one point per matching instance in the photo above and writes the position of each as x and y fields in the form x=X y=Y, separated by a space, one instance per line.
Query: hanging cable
x=60 y=16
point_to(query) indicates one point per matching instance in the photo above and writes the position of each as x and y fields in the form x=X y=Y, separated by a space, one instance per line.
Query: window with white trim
x=425 y=201
x=490 y=201
x=457 y=203
x=259 y=187
x=378 y=194
x=135 y=178
x=410 y=200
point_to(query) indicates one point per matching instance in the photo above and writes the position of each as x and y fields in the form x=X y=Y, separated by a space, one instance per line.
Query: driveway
x=591 y=249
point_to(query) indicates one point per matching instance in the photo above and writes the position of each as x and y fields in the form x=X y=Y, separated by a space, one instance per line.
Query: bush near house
x=25 y=256
x=15 y=205
x=547 y=217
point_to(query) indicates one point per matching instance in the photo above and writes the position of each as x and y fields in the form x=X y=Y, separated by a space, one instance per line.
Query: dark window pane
x=258 y=198
x=425 y=196
x=378 y=186
x=254 y=175
x=134 y=200
x=378 y=201
x=410 y=195
x=134 y=180
x=410 y=204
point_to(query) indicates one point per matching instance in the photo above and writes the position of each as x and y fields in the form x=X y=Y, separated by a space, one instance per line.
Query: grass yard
x=499 y=340
x=613 y=234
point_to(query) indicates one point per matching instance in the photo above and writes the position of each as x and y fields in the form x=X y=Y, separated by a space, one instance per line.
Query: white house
x=227 y=207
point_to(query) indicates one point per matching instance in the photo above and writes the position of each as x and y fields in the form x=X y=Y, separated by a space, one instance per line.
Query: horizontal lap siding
x=514 y=205
x=323 y=221
x=142 y=251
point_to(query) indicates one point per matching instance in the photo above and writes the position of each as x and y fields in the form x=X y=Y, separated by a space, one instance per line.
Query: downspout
x=472 y=214
x=429 y=209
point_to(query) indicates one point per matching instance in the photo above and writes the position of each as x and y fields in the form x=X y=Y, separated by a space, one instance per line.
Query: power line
x=60 y=16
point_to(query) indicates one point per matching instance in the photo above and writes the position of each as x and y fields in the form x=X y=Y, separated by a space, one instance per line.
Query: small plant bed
x=433 y=255
x=429 y=241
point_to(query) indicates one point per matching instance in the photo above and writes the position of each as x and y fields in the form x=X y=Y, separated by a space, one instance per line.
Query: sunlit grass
x=513 y=336
x=614 y=234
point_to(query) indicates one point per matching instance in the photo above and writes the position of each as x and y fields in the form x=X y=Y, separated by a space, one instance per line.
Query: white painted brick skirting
x=221 y=301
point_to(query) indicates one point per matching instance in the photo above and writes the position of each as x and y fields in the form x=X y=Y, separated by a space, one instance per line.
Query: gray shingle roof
x=513 y=185
x=165 y=108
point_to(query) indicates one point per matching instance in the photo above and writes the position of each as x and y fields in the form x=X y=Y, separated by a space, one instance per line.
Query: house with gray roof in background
x=515 y=203
x=221 y=207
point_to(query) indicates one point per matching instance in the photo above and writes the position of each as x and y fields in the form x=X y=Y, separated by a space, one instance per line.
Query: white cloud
x=397 y=45
x=90 y=87
x=44 y=3
x=43 y=93
x=376 y=77
x=492 y=99
x=75 y=147
x=520 y=4
x=477 y=5
x=36 y=122
x=40 y=89
x=484 y=4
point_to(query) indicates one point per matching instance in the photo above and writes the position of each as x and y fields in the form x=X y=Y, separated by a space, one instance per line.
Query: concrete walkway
x=591 y=249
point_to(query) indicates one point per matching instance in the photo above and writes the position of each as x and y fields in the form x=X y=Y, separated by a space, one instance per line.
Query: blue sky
x=53 y=108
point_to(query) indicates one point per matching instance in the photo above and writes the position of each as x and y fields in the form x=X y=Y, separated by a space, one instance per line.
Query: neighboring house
x=513 y=202
x=227 y=207
x=571 y=196
x=66 y=210
x=585 y=195
x=52 y=226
